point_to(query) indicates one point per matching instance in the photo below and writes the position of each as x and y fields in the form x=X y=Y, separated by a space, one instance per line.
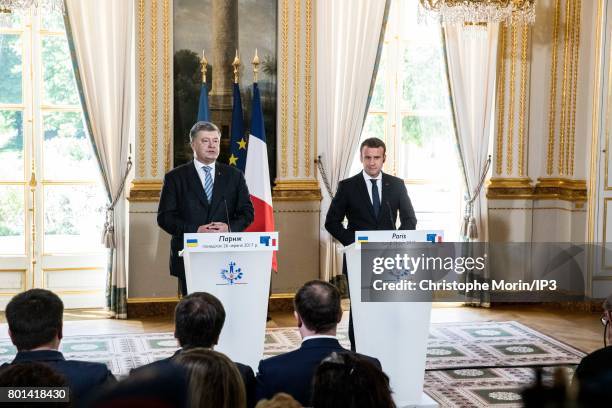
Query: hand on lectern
x=213 y=227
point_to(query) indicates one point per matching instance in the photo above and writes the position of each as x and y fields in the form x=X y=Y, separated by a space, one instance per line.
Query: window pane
x=422 y=79
x=58 y=77
x=12 y=236
x=377 y=103
x=11 y=20
x=438 y=206
x=74 y=216
x=67 y=154
x=11 y=145
x=10 y=68
x=53 y=21
x=426 y=149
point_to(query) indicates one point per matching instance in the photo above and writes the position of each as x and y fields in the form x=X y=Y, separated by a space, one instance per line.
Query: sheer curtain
x=471 y=63
x=348 y=40
x=100 y=34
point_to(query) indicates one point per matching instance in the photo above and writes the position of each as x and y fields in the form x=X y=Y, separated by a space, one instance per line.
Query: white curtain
x=100 y=34
x=472 y=61
x=348 y=33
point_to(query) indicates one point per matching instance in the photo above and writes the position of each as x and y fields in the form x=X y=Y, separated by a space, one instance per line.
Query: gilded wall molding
x=501 y=90
x=523 y=100
x=296 y=190
x=552 y=188
x=141 y=134
x=284 y=92
x=564 y=86
x=576 y=64
x=308 y=63
x=510 y=139
x=145 y=191
x=297 y=28
x=553 y=93
x=154 y=85
x=167 y=85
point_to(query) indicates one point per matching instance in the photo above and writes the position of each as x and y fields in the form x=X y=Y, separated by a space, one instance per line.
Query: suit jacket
x=246 y=372
x=293 y=372
x=183 y=205
x=353 y=202
x=83 y=377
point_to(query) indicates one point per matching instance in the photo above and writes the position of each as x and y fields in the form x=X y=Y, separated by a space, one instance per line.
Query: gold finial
x=204 y=63
x=236 y=64
x=255 y=66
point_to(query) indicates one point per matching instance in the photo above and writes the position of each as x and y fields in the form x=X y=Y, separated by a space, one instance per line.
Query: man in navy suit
x=370 y=200
x=198 y=321
x=35 y=327
x=202 y=196
x=318 y=311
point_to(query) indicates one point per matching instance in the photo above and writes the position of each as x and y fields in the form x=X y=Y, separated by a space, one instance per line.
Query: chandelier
x=476 y=12
x=16 y=6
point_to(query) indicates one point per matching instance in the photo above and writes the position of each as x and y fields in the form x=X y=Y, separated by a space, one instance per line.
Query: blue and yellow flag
x=203 y=109
x=238 y=144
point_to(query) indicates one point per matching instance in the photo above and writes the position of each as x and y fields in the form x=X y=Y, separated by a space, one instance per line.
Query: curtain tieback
x=469 y=228
x=108 y=233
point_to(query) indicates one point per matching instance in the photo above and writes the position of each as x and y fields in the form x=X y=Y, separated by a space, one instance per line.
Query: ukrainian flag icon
x=362 y=239
x=192 y=243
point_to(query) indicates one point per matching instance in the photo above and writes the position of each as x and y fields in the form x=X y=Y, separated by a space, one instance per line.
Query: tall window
x=410 y=111
x=51 y=198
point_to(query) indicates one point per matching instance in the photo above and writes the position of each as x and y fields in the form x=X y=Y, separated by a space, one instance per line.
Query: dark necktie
x=375 y=198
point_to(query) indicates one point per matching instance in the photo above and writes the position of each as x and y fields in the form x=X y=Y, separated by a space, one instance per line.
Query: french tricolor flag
x=257 y=173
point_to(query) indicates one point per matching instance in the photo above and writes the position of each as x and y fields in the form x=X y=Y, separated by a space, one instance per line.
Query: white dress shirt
x=198 y=165
x=319 y=336
x=378 y=179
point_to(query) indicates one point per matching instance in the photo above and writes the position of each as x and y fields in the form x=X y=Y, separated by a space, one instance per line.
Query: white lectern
x=395 y=333
x=235 y=267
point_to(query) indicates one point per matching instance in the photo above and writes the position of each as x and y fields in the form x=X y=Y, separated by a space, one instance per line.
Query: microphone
x=229 y=229
x=390 y=214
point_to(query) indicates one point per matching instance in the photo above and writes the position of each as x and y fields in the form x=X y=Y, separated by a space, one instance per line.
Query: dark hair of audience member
x=214 y=380
x=34 y=318
x=280 y=400
x=32 y=374
x=318 y=304
x=198 y=320
x=349 y=380
x=152 y=387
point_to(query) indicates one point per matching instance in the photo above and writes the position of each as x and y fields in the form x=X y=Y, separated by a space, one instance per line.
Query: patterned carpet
x=468 y=364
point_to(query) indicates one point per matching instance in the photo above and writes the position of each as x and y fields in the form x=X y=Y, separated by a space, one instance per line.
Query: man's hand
x=213 y=227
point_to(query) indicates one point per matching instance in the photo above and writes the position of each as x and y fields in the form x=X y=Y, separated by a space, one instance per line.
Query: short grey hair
x=203 y=126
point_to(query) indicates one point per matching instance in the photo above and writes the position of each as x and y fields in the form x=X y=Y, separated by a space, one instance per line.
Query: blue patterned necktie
x=208 y=183
x=375 y=198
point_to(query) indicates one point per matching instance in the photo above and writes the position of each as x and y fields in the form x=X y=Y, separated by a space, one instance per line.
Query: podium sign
x=396 y=333
x=234 y=267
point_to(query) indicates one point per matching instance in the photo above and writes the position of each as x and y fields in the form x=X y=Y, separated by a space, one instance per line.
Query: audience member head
x=349 y=380
x=35 y=320
x=198 y=320
x=153 y=387
x=33 y=374
x=214 y=380
x=317 y=308
x=606 y=320
x=280 y=400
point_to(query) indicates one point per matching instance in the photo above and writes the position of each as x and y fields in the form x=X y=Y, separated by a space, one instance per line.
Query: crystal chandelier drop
x=16 y=6
x=475 y=12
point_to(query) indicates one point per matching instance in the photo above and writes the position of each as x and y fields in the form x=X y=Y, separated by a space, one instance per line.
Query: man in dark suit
x=318 y=311
x=202 y=196
x=198 y=321
x=370 y=200
x=35 y=327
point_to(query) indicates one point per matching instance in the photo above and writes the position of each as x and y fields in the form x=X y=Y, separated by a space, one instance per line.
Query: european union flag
x=238 y=145
x=203 y=109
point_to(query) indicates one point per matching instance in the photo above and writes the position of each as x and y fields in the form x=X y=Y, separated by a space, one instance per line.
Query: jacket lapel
x=365 y=197
x=384 y=200
x=196 y=184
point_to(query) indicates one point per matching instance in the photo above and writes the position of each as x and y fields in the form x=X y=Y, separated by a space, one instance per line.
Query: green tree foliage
x=58 y=75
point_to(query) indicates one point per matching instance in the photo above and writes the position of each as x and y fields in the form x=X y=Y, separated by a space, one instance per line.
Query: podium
x=234 y=267
x=395 y=333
